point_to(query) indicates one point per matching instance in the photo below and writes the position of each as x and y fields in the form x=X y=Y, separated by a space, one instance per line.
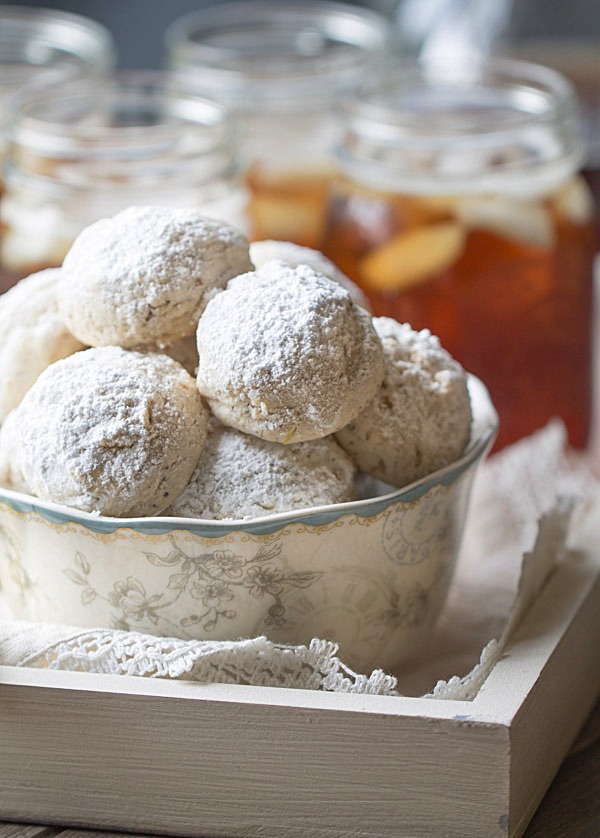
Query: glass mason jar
x=577 y=59
x=281 y=66
x=459 y=208
x=82 y=151
x=45 y=44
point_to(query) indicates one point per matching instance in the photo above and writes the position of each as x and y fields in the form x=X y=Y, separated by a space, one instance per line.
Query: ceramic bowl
x=371 y=575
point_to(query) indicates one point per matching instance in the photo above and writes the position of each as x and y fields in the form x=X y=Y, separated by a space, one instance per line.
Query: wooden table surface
x=570 y=809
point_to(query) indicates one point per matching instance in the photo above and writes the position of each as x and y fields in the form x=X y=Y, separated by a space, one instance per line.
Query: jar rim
x=276 y=50
x=88 y=44
x=408 y=96
x=159 y=106
x=506 y=116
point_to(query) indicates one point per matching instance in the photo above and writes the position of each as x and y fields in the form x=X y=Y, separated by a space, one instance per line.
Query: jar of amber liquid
x=281 y=67
x=86 y=150
x=460 y=209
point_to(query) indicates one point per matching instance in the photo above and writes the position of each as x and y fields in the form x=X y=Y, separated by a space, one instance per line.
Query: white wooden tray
x=188 y=759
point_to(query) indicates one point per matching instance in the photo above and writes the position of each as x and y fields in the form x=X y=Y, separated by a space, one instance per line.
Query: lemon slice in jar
x=413 y=257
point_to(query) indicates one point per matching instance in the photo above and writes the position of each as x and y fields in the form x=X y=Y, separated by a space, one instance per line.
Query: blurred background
x=487 y=237
x=138 y=25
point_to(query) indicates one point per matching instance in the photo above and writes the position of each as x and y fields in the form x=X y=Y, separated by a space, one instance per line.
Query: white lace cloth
x=524 y=501
x=256 y=661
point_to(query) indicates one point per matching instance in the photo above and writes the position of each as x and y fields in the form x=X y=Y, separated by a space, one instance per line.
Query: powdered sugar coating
x=110 y=431
x=420 y=417
x=293 y=254
x=286 y=355
x=32 y=335
x=11 y=474
x=242 y=476
x=144 y=276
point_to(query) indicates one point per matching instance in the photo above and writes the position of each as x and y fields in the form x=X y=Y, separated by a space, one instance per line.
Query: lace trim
x=255 y=662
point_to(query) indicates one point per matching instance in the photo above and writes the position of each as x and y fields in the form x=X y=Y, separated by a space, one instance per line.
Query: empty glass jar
x=49 y=45
x=282 y=67
x=82 y=151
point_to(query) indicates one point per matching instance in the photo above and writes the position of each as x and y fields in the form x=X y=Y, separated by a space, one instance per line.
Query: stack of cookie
x=296 y=386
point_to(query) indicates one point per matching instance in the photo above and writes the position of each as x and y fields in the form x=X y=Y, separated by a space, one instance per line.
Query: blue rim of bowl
x=312 y=516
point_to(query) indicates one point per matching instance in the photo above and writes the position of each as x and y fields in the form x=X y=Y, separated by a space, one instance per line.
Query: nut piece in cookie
x=108 y=431
x=286 y=355
x=32 y=335
x=420 y=418
x=144 y=276
x=242 y=476
x=293 y=254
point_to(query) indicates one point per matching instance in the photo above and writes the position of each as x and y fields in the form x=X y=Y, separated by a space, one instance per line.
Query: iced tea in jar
x=281 y=67
x=85 y=150
x=460 y=208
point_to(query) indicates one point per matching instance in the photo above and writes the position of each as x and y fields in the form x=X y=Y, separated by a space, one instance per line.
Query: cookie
x=295 y=254
x=242 y=476
x=420 y=418
x=285 y=354
x=109 y=431
x=11 y=474
x=33 y=335
x=144 y=276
